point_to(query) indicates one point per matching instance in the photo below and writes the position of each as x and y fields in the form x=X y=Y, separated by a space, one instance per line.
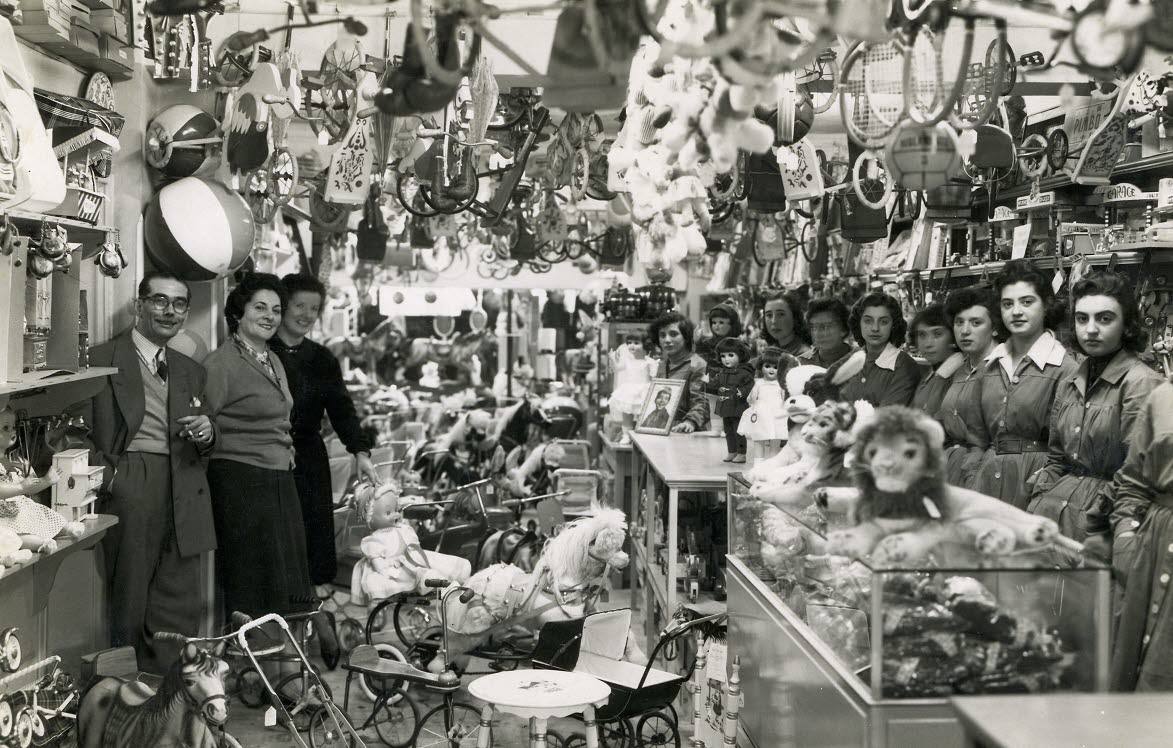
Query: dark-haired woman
x=783 y=325
x=315 y=379
x=1095 y=408
x=976 y=322
x=880 y=373
x=673 y=333
x=261 y=561
x=1019 y=380
x=932 y=336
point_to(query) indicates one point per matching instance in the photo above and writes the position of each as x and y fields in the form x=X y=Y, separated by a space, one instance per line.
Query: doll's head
x=724 y=321
x=800 y=404
x=7 y=429
x=770 y=364
x=553 y=455
x=378 y=505
x=637 y=344
x=732 y=352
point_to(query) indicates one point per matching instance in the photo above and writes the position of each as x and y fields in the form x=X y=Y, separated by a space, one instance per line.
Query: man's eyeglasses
x=159 y=303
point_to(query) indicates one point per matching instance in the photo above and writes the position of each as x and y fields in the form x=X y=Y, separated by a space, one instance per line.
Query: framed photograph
x=659 y=408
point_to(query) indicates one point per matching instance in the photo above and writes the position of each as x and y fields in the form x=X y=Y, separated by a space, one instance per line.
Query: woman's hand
x=684 y=427
x=366 y=469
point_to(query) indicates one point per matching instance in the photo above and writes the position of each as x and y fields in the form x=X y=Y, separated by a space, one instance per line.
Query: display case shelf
x=93 y=138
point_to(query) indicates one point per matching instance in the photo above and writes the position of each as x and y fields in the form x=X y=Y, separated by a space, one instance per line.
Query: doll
x=36 y=524
x=724 y=322
x=764 y=422
x=634 y=371
x=393 y=561
x=732 y=384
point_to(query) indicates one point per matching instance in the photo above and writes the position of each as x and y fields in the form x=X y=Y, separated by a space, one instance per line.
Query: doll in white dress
x=633 y=371
x=764 y=423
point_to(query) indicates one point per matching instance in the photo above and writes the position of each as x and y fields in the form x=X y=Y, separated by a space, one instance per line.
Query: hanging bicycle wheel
x=654 y=729
x=331 y=103
x=408 y=193
x=460 y=729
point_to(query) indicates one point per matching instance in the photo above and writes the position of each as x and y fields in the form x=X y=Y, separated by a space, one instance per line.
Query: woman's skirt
x=261 y=557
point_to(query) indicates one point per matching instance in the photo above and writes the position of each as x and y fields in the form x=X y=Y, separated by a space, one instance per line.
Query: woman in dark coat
x=315 y=380
x=880 y=372
x=673 y=333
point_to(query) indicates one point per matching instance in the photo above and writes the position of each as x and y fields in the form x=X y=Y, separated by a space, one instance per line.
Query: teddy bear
x=392 y=561
x=901 y=508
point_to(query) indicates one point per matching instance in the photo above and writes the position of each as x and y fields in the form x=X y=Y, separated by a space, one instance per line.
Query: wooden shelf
x=79 y=231
x=42 y=392
x=1156 y=162
x=1130 y=254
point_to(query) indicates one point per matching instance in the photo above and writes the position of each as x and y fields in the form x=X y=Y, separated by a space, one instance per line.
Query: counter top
x=615 y=446
x=696 y=460
x=48 y=563
x=1067 y=719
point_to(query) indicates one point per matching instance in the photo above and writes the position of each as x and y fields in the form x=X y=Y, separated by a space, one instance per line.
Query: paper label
x=715 y=663
x=270 y=717
x=1021 y=239
x=1057 y=281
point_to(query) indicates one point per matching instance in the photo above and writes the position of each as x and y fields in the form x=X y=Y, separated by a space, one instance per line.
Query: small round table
x=538 y=695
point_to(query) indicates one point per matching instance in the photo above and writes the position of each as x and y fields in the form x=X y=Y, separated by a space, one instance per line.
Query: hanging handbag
x=769 y=241
x=765 y=190
x=372 y=234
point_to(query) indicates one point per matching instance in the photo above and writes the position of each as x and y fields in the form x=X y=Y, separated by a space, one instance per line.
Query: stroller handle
x=465 y=487
x=530 y=499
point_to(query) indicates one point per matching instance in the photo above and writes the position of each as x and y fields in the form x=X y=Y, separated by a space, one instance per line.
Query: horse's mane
x=156 y=710
x=567 y=555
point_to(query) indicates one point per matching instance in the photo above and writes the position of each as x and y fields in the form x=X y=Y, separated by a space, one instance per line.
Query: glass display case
x=954 y=623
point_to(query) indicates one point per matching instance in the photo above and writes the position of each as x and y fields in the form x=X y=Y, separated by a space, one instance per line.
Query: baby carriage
x=639 y=712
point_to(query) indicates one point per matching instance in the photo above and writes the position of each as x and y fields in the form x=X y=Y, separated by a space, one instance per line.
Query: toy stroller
x=594 y=645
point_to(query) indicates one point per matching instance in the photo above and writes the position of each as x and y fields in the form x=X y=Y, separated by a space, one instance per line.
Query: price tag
x=716 y=664
x=1057 y=281
x=1021 y=239
x=270 y=717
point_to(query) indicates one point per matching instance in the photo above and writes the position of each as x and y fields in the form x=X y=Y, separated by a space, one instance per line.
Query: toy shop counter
x=1058 y=721
x=840 y=651
x=688 y=462
x=57 y=600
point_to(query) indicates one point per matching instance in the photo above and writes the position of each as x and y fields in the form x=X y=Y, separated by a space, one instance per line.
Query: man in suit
x=148 y=432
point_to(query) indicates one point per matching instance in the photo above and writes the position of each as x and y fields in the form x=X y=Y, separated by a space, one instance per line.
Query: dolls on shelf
x=634 y=371
x=36 y=524
x=732 y=384
x=724 y=322
x=763 y=424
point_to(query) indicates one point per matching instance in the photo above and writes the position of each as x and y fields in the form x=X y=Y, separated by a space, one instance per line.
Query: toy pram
x=594 y=645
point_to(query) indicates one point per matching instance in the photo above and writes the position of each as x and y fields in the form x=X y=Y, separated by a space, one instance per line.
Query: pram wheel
x=614 y=734
x=350 y=635
x=656 y=728
x=437 y=730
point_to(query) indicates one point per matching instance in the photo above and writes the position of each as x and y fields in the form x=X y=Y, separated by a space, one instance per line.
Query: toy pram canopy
x=595 y=645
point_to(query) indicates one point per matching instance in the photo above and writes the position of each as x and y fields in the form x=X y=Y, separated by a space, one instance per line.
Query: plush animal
x=902 y=508
x=393 y=561
x=821 y=446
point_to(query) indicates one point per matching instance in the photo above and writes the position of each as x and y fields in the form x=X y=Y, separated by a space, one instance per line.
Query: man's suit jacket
x=116 y=414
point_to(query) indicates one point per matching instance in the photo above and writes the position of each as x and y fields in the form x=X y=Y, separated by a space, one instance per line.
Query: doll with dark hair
x=764 y=422
x=732 y=385
x=1091 y=422
x=724 y=322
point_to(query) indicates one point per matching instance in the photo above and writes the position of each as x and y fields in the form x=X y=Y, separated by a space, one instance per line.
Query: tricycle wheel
x=350 y=635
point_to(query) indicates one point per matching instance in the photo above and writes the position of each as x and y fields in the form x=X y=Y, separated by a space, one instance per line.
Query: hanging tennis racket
x=818 y=79
x=871 y=92
x=932 y=92
x=985 y=83
x=870 y=181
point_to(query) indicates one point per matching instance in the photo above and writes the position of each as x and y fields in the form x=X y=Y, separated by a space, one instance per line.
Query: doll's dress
x=633 y=378
x=765 y=419
x=21 y=514
x=393 y=562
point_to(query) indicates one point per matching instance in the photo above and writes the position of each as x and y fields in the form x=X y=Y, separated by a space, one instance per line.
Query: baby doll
x=634 y=371
x=393 y=561
x=764 y=422
x=36 y=524
x=724 y=322
x=732 y=384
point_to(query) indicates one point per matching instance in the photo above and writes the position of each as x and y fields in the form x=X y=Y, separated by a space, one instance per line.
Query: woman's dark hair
x=297 y=282
x=877 y=298
x=773 y=355
x=961 y=299
x=1112 y=285
x=726 y=311
x=1022 y=271
x=662 y=392
x=239 y=297
x=828 y=305
x=801 y=330
x=931 y=316
x=673 y=318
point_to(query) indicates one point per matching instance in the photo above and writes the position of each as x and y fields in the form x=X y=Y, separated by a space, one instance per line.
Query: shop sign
x=1035 y=202
x=1125 y=192
x=1003 y=213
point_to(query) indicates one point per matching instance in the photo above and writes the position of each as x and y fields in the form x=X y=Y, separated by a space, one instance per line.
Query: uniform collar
x=1046 y=350
x=887 y=357
x=1112 y=373
x=950 y=366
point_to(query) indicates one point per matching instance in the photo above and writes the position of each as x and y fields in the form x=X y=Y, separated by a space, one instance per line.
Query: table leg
x=486 y=726
x=537 y=732
x=592 y=732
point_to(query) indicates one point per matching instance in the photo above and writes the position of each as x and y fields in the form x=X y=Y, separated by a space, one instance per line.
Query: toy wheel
x=413 y=619
x=350 y=635
x=22 y=731
x=292 y=691
x=376 y=621
x=1058 y=147
x=656 y=729
x=575 y=740
x=251 y=689
x=396 y=724
x=616 y=734
x=6 y=718
x=391 y=688
x=235 y=68
x=326 y=216
x=461 y=730
x=332 y=106
x=9 y=651
x=554 y=739
x=324 y=732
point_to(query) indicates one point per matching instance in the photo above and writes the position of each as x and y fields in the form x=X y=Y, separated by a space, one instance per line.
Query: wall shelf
x=43 y=392
x=79 y=231
x=1148 y=164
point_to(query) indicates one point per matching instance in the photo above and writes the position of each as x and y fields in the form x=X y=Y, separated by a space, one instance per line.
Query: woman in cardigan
x=880 y=372
x=1095 y=408
x=261 y=561
x=673 y=332
x=315 y=379
x=829 y=322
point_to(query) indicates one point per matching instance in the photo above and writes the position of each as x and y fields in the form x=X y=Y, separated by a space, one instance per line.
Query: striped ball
x=198 y=229
x=174 y=125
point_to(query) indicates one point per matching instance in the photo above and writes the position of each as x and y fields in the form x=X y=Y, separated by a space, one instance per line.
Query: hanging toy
x=40 y=267
x=53 y=242
x=8 y=236
x=110 y=260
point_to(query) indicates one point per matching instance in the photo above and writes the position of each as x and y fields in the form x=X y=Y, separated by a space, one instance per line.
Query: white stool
x=538 y=695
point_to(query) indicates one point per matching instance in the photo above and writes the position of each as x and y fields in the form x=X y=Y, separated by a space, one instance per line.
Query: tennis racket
x=872 y=103
x=870 y=180
x=985 y=83
x=931 y=91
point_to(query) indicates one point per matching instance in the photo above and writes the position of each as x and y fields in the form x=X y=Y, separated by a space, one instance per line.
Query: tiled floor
x=247 y=725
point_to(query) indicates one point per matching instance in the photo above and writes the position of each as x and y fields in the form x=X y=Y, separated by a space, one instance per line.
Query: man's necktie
x=161 y=364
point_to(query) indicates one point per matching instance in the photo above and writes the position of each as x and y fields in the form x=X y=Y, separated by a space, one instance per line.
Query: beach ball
x=168 y=141
x=198 y=229
x=189 y=344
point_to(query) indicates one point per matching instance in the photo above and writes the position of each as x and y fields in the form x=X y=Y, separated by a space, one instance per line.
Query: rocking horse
x=187 y=711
